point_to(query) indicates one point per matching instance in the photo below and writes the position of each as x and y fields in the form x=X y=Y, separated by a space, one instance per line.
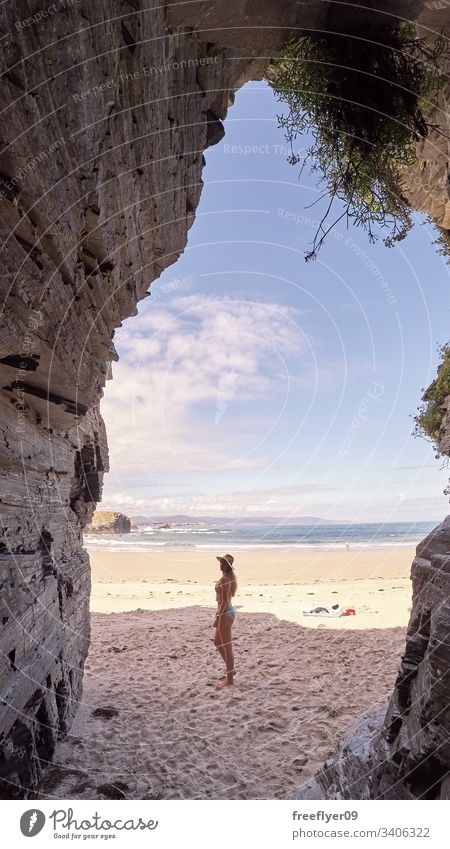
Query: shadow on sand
x=152 y=724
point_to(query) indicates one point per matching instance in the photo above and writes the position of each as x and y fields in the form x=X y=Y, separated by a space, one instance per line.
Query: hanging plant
x=363 y=98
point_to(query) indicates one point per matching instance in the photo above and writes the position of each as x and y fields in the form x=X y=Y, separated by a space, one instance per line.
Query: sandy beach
x=152 y=723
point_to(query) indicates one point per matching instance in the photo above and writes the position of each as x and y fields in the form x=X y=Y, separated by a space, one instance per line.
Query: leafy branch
x=430 y=415
x=364 y=104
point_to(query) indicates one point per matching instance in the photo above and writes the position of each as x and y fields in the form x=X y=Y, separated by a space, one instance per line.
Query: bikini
x=230 y=611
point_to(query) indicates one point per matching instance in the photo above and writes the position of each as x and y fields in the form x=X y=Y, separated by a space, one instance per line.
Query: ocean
x=224 y=538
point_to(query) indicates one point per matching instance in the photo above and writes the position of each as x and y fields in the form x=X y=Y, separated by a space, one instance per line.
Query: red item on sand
x=350 y=611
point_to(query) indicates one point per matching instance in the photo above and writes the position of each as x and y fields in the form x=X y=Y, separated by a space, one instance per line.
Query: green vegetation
x=443 y=241
x=362 y=98
x=430 y=415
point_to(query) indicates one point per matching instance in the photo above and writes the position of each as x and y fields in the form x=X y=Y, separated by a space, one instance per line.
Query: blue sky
x=254 y=383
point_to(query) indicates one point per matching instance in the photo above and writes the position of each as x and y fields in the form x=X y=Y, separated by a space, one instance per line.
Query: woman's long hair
x=231 y=576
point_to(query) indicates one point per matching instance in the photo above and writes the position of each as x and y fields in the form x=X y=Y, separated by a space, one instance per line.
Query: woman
x=225 y=589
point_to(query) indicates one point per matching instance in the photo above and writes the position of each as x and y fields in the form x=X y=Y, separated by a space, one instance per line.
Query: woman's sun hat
x=228 y=559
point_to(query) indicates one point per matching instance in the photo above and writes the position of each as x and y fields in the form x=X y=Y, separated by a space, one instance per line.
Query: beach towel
x=332 y=614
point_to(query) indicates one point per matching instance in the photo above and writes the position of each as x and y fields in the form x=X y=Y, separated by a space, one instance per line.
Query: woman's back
x=226 y=588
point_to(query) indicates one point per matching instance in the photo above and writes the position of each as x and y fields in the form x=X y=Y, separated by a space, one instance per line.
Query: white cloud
x=431 y=500
x=312 y=499
x=282 y=501
x=186 y=377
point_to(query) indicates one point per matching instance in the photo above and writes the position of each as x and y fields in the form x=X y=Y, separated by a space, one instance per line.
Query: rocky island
x=108 y=522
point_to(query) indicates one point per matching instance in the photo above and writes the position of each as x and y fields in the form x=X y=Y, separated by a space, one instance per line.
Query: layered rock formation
x=108 y=522
x=106 y=112
x=427 y=182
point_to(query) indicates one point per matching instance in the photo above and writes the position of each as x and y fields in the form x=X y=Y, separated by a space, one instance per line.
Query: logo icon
x=32 y=822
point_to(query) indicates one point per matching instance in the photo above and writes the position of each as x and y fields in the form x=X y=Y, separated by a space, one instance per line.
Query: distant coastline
x=199 y=535
x=248 y=521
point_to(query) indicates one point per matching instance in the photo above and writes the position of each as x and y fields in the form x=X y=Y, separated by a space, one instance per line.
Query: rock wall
x=107 y=109
x=427 y=183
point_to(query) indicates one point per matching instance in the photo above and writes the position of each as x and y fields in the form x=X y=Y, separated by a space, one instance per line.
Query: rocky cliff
x=106 y=112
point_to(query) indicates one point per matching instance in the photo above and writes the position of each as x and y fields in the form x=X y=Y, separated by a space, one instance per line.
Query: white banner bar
x=223 y=824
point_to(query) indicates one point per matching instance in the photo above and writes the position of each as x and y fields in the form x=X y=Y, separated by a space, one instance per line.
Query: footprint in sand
x=272 y=725
x=299 y=762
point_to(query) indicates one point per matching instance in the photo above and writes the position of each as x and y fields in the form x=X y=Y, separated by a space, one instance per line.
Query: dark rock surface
x=344 y=775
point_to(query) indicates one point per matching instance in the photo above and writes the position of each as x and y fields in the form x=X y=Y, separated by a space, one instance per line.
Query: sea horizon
x=332 y=536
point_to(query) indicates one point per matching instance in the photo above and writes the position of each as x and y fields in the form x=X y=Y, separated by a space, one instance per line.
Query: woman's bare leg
x=218 y=644
x=227 y=644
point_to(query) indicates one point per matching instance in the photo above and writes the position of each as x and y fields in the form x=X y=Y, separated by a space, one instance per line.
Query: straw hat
x=228 y=559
